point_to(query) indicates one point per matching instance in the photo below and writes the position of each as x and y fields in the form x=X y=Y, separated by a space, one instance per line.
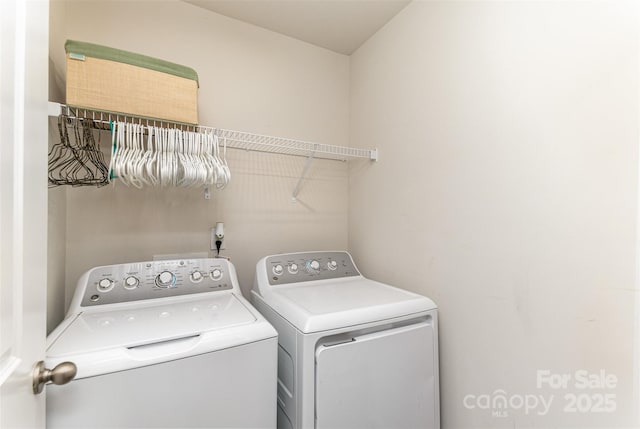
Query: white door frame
x=24 y=46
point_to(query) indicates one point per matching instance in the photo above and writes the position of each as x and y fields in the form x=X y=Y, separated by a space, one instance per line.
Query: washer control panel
x=301 y=267
x=154 y=279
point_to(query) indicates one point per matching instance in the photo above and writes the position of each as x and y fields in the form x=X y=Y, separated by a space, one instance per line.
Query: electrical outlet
x=213 y=241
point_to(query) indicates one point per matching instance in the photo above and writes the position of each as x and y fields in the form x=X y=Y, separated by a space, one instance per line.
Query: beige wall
x=250 y=79
x=506 y=190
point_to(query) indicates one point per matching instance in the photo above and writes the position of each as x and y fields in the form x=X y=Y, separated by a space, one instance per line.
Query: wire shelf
x=235 y=139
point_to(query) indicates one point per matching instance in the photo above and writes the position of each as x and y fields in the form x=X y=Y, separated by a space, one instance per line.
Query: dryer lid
x=96 y=331
x=330 y=304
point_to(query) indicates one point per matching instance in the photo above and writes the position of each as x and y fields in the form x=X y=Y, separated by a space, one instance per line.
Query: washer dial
x=196 y=276
x=332 y=265
x=105 y=285
x=165 y=279
x=131 y=282
x=216 y=274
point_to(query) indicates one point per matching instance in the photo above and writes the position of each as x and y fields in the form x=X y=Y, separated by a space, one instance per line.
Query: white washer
x=353 y=353
x=169 y=344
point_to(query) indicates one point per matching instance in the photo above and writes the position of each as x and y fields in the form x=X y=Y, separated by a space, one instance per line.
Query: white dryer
x=353 y=353
x=169 y=344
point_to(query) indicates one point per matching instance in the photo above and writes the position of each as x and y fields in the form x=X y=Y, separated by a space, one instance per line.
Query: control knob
x=105 y=285
x=196 y=276
x=293 y=268
x=165 y=279
x=216 y=274
x=277 y=269
x=332 y=265
x=312 y=266
x=131 y=282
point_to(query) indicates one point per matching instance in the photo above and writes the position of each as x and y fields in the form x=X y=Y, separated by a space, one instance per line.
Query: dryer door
x=382 y=380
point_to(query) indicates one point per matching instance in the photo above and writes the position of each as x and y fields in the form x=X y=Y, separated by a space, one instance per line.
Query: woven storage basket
x=112 y=80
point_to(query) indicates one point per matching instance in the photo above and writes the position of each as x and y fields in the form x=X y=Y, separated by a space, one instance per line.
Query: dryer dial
x=277 y=269
x=312 y=266
x=293 y=268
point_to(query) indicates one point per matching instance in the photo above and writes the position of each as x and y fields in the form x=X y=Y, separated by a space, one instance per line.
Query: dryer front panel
x=381 y=380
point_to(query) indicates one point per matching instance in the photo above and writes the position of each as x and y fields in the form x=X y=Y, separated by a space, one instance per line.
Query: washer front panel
x=302 y=267
x=140 y=281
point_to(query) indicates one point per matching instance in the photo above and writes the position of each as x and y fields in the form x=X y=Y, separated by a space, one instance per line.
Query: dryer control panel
x=154 y=279
x=300 y=267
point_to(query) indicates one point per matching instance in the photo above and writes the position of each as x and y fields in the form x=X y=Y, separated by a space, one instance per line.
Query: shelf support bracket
x=296 y=191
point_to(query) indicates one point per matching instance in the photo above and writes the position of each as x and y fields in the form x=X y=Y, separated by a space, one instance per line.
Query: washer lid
x=133 y=327
x=323 y=305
